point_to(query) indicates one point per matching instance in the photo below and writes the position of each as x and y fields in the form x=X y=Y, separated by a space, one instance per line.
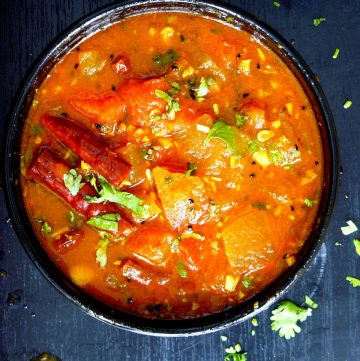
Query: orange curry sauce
x=171 y=166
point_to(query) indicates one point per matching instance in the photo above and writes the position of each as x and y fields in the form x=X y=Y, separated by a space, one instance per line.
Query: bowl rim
x=87 y=303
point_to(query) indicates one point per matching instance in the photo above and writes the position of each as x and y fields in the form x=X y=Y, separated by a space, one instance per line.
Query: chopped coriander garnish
x=224 y=132
x=246 y=282
x=106 y=222
x=347 y=104
x=275 y=156
x=259 y=205
x=172 y=106
x=191 y=168
x=286 y=316
x=72 y=182
x=318 y=21
x=175 y=245
x=355 y=282
x=336 y=53
x=310 y=302
x=240 y=119
x=308 y=202
x=101 y=251
x=46 y=228
x=254 y=146
x=166 y=59
x=255 y=322
x=183 y=273
x=357 y=245
x=204 y=87
x=71 y=217
x=276 y=3
x=112 y=194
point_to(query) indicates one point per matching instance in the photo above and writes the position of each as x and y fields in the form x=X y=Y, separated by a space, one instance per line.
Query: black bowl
x=20 y=220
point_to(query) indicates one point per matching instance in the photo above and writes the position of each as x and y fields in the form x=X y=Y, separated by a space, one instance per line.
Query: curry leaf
x=106 y=222
x=72 y=182
x=224 y=132
x=112 y=194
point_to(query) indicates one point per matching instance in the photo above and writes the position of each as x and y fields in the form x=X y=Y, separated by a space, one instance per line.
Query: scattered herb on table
x=357 y=245
x=310 y=302
x=350 y=228
x=234 y=353
x=336 y=53
x=285 y=318
x=355 y=282
x=347 y=104
x=318 y=21
x=277 y=4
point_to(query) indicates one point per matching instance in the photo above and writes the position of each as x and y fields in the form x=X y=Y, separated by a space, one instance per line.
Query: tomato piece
x=68 y=241
x=92 y=150
x=140 y=99
x=105 y=110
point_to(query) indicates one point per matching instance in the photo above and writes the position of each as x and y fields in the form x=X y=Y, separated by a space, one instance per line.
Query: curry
x=171 y=166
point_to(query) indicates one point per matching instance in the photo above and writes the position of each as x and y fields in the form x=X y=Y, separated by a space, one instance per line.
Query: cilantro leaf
x=286 y=316
x=254 y=146
x=182 y=271
x=240 y=119
x=204 y=87
x=275 y=156
x=224 y=132
x=172 y=106
x=166 y=59
x=308 y=202
x=246 y=282
x=72 y=182
x=355 y=282
x=106 y=222
x=112 y=194
x=46 y=228
x=357 y=245
x=101 y=251
x=71 y=217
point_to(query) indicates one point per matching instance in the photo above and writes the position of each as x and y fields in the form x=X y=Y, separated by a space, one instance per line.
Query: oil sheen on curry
x=171 y=166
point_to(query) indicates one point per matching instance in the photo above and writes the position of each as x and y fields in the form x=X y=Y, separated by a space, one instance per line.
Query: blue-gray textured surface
x=45 y=321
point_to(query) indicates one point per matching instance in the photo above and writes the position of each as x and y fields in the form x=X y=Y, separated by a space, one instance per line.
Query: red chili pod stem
x=49 y=169
x=88 y=147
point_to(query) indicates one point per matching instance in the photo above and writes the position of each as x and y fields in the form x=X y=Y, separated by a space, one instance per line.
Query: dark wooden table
x=43 y=320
